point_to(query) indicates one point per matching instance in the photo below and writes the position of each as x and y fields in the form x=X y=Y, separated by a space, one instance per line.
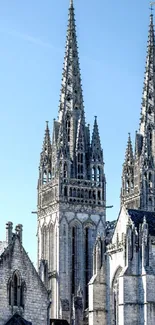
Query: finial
x=71 y=3
x=144 y=219
x=47 y=124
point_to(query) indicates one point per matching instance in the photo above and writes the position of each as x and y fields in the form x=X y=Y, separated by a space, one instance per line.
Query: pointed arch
x=75 y=228
x=115 y=295
x=68 y=126
x=10 y=285
x=51 y=247
x=93 y=173
x=98 y=175
x=150 y=180
x=16 y=289
x=65 y=170
x=44 y=177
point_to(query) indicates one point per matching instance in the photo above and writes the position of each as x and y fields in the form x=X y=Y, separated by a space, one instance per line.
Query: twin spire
x=147 y=119
x=138 y=178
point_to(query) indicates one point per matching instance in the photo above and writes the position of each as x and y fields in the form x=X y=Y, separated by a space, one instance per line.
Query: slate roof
x=17 y=320
x=137 y=217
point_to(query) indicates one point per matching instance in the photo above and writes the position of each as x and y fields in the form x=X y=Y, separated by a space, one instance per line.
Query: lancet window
x=80 y=168
x=68 y=125
x=86 y=265
x=65 y=170
x=115 y=297
x=16 y=290
x=73 y=234
x=44 y=177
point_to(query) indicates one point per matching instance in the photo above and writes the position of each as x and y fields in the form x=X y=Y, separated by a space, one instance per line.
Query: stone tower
x=71 y=195
x=138 y=178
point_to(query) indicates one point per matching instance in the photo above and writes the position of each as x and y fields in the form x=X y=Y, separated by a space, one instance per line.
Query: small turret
x=45 y=158
x=97 y=164
x=128 y=172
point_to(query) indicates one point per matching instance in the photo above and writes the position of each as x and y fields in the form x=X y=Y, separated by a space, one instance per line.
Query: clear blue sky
x=112 y=38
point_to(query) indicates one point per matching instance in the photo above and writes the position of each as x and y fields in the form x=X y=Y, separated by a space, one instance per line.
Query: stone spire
x=129 y=151
x=147 y=109
x=77 y=188
x=71 y=98
x=128 y=172
x=140 y=171
x=47 y=141
x=45 y=158
x=96 y=150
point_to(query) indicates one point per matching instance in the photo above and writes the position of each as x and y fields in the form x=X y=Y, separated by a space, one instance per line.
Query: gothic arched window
x=73 y=257
x=44 y=177
x=10 y=291
x=65 y=191
x=93 y=174
x=65 y=170
x=99 y=195
x=80 y=168
x=150 y=180
x=49 y=175
x=16 y=290
x=115 y=297
x=150 y=203
x=51 y=247
x=70 y=192
x=68 y=125
x=98 y=175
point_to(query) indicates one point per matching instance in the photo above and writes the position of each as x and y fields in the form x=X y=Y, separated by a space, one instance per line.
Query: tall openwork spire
x=148 y=98
x=71 y=98
x=71 y=191
x=138 y=180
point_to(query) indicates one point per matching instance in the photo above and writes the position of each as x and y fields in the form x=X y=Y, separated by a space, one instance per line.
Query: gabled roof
x=17 y=320
x=8 y=251
x=137 y=217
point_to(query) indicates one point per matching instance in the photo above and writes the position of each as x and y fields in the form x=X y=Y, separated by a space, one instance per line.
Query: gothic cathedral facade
x=71 y=193
x=97 y=271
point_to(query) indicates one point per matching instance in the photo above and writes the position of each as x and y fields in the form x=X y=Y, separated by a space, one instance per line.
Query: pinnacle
x=129 y=150
x=96 y=143
x=71 y=3
x=47 y=140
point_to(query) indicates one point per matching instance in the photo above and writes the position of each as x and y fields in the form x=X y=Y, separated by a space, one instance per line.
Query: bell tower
x=138 y=177
x=71 y=194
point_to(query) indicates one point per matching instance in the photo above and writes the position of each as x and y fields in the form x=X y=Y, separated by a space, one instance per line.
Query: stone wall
x=36 y=301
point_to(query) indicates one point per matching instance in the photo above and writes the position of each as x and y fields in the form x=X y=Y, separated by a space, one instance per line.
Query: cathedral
x=90 y=271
